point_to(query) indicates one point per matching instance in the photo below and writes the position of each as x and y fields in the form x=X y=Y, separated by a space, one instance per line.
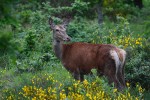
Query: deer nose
x=68 y=39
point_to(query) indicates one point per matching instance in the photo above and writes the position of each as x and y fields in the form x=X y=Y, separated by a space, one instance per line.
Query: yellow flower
x=32 y=81
x=10 y=98
x=137 y=42
x=49 y=89
x=54 y=90
x=136 y=98
x=127 y=84
x=93 y=83
x=128 y=94
x=85 y=82
x=140 y=89
x=47 y=79
x=75 y=85
x=62 y=96
x=139 y=39
x=34 y=98
x=60 y=84
x=89 y=96
x=115 y=90
x=103 y=94
x=63 y=90
x=69 y=88
x=95 y=98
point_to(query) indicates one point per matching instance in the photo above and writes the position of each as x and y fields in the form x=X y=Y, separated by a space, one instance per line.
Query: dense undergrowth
x=30 y=70
x=45 y=86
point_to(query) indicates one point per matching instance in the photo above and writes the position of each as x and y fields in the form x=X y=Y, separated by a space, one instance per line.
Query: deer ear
x=66 y=22
x=65 y=25
x=51 y=23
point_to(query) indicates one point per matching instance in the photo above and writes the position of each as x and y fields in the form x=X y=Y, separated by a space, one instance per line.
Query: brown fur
x=84 y=56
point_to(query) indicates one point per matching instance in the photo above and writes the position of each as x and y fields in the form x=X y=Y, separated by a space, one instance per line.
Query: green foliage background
x=26 y=39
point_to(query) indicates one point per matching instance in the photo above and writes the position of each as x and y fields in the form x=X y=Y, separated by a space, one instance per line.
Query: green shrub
x=76 y=8
x=119 y=7
x=138 y=68
x=30 y=41
x=5 y=39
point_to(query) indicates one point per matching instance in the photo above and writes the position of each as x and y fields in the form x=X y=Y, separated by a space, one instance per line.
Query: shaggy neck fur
x=57 y=45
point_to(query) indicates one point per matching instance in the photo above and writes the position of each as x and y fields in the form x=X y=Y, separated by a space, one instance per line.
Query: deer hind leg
x=113 y=78
x=123 y=76
x=117 y=72
x=110 y=73
x=120 y=75
x=121 y=68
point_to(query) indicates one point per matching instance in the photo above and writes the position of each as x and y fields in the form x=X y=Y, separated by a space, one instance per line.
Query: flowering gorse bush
x=127 y=41
x=120 y=35
x=123 y=41
x=51 y=89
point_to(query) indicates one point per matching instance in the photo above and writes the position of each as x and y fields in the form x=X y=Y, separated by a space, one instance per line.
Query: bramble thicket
x=29 y=70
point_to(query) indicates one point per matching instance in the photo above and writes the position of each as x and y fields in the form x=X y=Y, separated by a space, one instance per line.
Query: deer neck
x=57 y=45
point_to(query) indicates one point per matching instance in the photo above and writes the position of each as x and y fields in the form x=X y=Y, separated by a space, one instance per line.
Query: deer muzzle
x=67 y=39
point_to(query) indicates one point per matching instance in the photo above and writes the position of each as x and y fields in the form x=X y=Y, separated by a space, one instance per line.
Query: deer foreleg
x=77 y=75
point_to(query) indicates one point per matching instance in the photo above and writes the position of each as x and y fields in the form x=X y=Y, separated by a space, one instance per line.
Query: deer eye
x=57 y=30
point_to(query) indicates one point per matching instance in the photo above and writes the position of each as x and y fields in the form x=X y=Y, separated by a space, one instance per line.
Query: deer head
x=59 y=31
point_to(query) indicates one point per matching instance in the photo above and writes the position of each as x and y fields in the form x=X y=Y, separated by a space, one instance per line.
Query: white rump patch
x=124 y=57
x=115 y=56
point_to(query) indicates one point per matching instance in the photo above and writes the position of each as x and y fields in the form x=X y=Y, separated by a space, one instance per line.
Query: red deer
x=79 y=58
